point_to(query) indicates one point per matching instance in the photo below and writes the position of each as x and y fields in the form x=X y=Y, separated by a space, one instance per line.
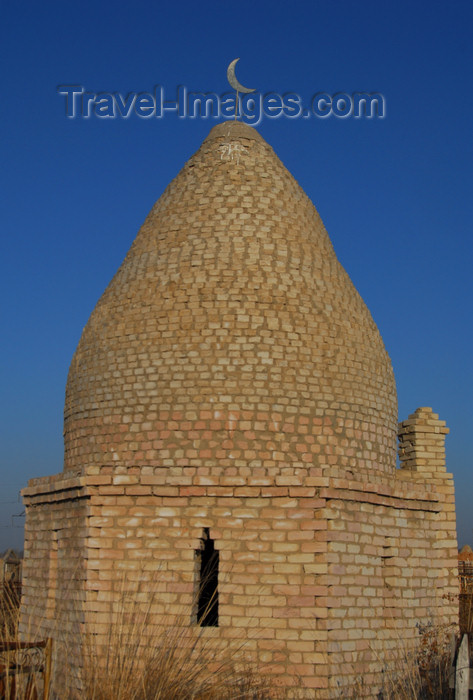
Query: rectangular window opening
x=207 y=601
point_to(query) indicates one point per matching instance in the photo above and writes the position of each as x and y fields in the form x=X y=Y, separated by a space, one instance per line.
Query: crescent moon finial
x=232 y=79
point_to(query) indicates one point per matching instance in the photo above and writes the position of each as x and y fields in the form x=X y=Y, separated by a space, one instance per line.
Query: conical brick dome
x=231 y=337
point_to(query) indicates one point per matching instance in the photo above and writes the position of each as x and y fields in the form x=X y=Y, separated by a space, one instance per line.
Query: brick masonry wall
x=54 y=569
x=320 y=576
x=231 y=334
x=231 y=378
x=422 y=442
x=391 y=573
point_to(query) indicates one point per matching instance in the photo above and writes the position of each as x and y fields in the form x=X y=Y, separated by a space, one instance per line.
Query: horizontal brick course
x=231 y=378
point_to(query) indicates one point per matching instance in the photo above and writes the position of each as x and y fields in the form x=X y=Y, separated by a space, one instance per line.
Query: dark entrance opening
x=207 y=604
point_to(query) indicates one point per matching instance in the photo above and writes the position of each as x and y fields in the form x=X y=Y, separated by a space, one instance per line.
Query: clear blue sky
x=395 y=194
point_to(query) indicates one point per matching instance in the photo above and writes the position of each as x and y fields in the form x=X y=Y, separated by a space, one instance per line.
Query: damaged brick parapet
x=422 y=442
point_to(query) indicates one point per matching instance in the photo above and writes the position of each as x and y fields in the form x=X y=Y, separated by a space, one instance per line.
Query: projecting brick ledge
x=60 y=487
x=187 y=482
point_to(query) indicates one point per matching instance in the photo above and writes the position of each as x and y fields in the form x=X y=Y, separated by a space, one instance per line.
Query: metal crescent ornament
x=232 y=79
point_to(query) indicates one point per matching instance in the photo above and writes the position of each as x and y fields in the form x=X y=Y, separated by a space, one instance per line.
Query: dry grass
x=9 y=612
x=136 y=661
x=422 y=673
x=131 y=658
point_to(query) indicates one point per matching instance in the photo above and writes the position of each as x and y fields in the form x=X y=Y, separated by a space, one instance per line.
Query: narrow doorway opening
x=207 y=592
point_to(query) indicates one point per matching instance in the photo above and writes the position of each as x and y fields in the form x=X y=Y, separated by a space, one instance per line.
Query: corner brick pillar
x=422 y=442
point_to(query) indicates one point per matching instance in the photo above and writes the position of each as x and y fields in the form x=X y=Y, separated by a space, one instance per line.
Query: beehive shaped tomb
x=231 y=337
x=230 y=436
